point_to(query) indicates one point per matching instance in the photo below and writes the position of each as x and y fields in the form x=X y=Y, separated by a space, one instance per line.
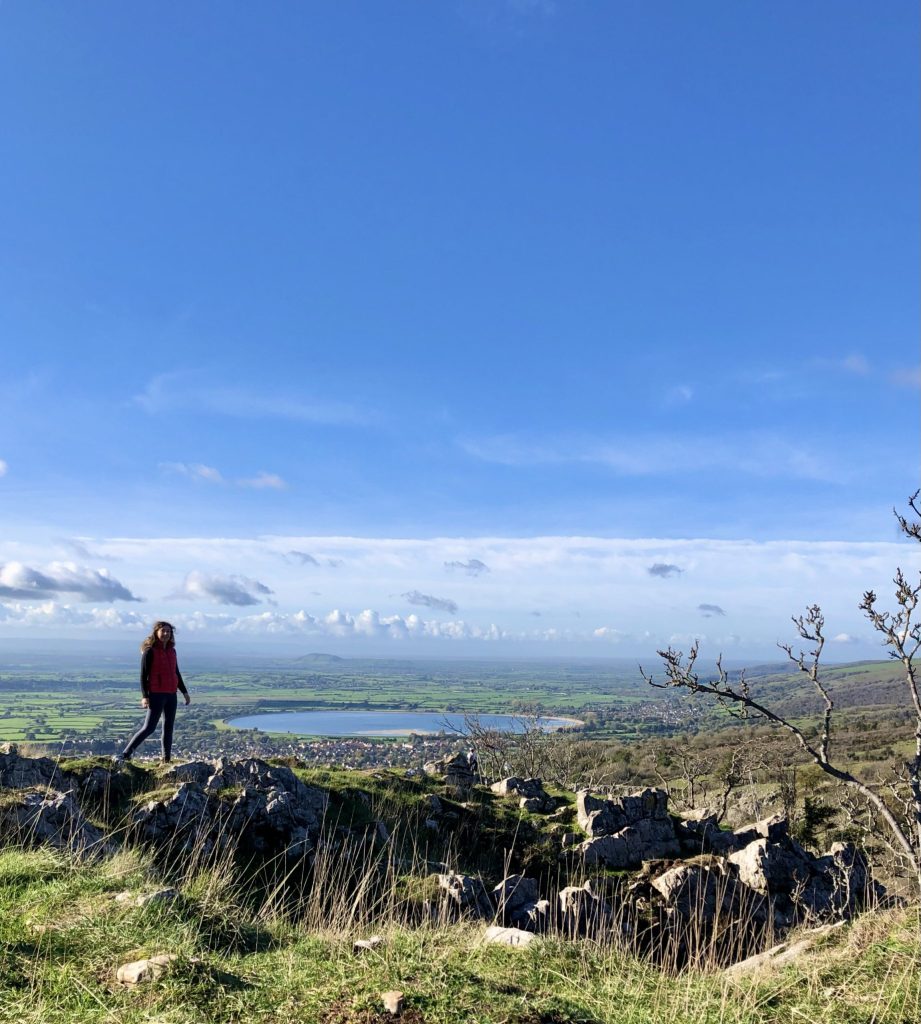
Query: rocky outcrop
x=582 y=912
x=530 y=793
x=273 y=811
x=496 y=935
x=625 y=832
x=730 y=892
x=515 y=899
x=758 y=872
x=803 y=887
x=702 y=834
x=458 y=773
x=465 y=894
x=605 y=816
x=707 y=892
x=17 y=772
x=782 y=954
x=140 y=971
x=51 y=819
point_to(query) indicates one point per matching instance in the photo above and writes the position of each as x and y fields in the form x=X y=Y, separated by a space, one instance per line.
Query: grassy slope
x=63 y=936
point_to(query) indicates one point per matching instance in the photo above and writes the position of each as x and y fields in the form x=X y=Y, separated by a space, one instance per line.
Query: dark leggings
x=158 y=704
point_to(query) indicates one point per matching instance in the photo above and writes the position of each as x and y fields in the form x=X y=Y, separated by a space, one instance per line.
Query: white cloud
x=588 y=583
x=664 y=570
x=609 y=634
x=303 y=558
x=753 y=454
x=194 y=471
x=52 y=613
x=234 y=590
x=194 y=391
x=82 y=550
x=199 y=471
x=262 y=481
x=26 y=582
x=429 y=601
x=472 y=567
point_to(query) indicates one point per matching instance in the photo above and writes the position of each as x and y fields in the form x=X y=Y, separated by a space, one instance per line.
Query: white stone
x=498 y=936
x=139 y=971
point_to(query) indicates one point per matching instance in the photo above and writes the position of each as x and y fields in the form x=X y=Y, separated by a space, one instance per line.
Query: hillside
x=259 y=878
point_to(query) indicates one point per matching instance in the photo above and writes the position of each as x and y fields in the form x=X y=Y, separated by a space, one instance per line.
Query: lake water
x=378 y=723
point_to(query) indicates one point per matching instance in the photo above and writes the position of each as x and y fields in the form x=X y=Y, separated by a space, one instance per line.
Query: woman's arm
x=181 y=685
x=146 y=659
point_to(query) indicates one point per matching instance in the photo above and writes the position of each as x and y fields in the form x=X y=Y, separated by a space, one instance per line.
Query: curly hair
x=149 y=641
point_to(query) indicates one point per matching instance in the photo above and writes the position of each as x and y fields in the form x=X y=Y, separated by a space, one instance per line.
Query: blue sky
x=568 y=289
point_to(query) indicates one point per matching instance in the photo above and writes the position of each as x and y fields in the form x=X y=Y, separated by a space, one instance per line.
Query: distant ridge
x=318 y=659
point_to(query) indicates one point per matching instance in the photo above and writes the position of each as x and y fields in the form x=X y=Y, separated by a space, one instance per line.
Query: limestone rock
x=600 y=816
x=457 y=771
x=52 y=819
x=514 y=786
x=17 y=772
x=536 y=917
x=161 y=896
x=769 y=868
x=140 y=971
x=466 y=894
x=581 y=911
x=535 y=804
x=192 y=771
x=393 y=1002
x=273 y=812
x=515 y=897
x=646 y=839
x=177 y=820
x=367 y=945
x=707 y=892
x=498 y=936
x=781 y=954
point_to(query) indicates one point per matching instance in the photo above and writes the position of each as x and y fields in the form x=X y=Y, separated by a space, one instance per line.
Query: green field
x=46 y=706
x=49 y=700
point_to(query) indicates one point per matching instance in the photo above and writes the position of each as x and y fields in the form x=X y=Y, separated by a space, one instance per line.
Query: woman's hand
x=145 y=703
x=188 y=699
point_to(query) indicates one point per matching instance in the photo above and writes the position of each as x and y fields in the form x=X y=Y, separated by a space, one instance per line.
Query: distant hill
x=862 y=684
x=318 y=659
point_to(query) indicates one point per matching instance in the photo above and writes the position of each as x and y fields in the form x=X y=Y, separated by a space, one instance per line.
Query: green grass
x=63 y=935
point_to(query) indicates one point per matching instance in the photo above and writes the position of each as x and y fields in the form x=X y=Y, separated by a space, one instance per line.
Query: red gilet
x=164 y=676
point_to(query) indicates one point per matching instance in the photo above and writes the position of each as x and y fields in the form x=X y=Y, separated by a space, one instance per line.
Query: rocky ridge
x=633 y=866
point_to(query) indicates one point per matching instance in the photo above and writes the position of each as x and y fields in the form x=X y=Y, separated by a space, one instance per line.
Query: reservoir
x=381 y=723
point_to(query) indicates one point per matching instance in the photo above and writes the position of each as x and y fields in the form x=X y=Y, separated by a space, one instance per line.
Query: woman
x=160 y=679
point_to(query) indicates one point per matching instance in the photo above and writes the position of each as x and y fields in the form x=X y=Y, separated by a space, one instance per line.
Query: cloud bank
x=472 y=567
x=593 y=593
x=428 y=601
x=234 y=590
x=23 y=581
x=664 y=569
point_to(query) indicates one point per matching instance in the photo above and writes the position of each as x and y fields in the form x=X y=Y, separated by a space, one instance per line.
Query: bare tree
x=901 y=632
x=692 y=770
x=522 y=749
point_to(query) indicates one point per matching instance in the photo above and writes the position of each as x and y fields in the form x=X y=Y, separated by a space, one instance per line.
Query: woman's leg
x=154 y=710
x=169 y=717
